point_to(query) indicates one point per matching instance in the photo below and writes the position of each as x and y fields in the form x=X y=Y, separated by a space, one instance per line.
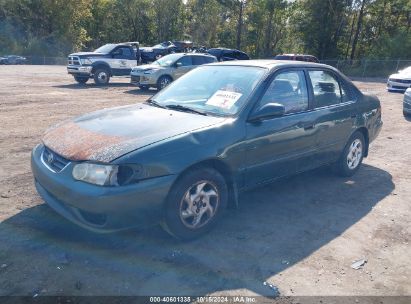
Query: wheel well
x=166 y=75
x=225 y=171
x=101 y=66
x=364 y=132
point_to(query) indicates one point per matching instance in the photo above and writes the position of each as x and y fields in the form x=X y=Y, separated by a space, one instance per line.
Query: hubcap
x=354 y=154
x=164 y=82
x=199 y=204
x=102 y=76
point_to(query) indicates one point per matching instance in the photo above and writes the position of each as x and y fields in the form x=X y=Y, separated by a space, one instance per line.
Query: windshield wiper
x=184 y=108
x=154 y=103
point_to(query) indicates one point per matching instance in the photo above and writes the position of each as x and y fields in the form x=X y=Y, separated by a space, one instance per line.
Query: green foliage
x=328 y=29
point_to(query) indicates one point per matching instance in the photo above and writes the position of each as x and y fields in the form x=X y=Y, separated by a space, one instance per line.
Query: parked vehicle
x=13 y=59
x=297 y=57
x=223 y=54
x=162 y=72
x=406 y=105
x=105 y=62
x=188 y=152
x=150 y=54
x=400 y=81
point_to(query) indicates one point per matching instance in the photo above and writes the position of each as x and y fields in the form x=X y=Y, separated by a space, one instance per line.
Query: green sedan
x=183 y=156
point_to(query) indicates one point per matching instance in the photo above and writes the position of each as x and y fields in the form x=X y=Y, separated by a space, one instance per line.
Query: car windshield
x=218 y=90
x=105 y=49
x=167 y=60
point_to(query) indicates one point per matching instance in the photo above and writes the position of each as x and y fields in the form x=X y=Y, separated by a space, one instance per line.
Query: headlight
x=86 y=61
x=108 y=175
x=152 y=71
x=103 y=175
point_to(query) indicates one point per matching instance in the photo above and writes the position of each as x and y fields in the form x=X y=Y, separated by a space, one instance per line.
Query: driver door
x=182 y=66
x=123 y=61
x=282 y=145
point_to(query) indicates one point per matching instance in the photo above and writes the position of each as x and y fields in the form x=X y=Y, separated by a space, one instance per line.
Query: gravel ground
x=300 y=234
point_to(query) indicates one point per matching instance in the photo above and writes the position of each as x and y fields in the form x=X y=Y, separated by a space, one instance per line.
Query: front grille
x=53 y=161
x=400 y=80
x=135 y=78
x=73 y=60
x=399 y=87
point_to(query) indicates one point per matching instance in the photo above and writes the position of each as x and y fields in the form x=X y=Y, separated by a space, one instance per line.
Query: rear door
x=335 y=113
x=283 y=145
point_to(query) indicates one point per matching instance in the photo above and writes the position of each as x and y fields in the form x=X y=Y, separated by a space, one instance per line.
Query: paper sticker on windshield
x=224 y=99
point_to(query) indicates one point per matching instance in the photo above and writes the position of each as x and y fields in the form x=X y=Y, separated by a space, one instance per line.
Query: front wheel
x=81 y=80
x=101 y=77
x=163 y=81
x=352 y=156
x=195 y=203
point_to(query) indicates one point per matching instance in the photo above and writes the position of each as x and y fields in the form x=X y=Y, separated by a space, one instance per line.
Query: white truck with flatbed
x=105 y=62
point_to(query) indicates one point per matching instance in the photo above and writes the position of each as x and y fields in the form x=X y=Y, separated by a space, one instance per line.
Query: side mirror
x=269 y=110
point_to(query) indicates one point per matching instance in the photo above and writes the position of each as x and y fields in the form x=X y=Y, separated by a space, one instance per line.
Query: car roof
x=273 y=64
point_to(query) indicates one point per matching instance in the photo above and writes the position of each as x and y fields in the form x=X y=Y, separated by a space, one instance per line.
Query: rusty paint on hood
x=76 y=143
x=108 y=134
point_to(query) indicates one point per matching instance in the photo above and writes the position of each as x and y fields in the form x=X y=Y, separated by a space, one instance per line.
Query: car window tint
x=208 y=59
x=229 y=54
x=346 y=94
x=325 y=87
x=185 y=61
x=289 y=89
x=197 y=60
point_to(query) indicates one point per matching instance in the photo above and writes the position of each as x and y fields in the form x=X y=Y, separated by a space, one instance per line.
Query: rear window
x=282 y=57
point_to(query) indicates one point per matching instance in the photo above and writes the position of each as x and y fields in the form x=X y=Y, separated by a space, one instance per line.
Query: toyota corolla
x=184 y=155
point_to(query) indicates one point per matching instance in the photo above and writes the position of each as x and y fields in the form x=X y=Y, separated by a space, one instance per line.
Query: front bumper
x=97 y=208
x=143 y=79
x=406 y=105
x=397 y=86
x=79 y=70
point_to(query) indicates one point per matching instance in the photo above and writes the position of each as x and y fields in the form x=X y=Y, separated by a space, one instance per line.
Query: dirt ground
x=300 y=234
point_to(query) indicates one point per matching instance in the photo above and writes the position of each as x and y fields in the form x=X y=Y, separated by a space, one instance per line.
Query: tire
x=352 y=156
x=163 y=81
x=101 y=76
x=144 y=88
x=184 y=218
x=81 y=80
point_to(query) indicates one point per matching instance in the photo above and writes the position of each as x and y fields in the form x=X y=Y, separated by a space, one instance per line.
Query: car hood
x=146 y=67
x=401 y=76
x=105 y=135
x=85 y=54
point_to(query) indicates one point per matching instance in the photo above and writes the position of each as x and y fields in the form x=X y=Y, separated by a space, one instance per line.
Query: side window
x=241 y=56
x=346 y=94
x=289 y=89
x=185 y=61
x=326 y=88
x=229 y=54
x=198 y=60
x=123 y=53
x=208 y=59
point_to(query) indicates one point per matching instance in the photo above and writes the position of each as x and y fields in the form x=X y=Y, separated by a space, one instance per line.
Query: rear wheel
x=163 y=81
x=352 y=156
x=81 y=80
x=195 y=203
x=101 y=77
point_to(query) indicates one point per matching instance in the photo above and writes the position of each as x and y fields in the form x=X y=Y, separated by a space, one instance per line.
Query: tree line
x=328 y=29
